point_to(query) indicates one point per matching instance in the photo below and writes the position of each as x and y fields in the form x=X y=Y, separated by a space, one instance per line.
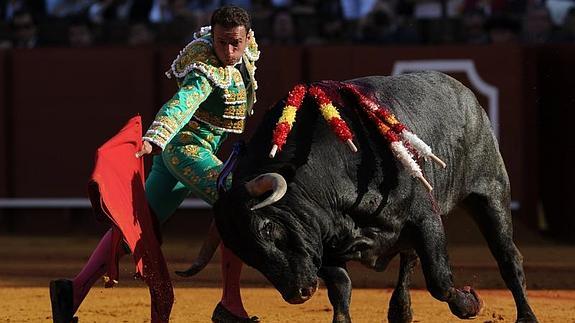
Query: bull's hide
x=364 y=206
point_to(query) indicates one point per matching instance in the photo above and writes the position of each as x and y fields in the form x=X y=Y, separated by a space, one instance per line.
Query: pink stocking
x=231 y=270
x=94 y=269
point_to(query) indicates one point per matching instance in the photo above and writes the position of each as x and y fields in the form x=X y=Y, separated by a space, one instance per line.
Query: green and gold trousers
x=188 y=165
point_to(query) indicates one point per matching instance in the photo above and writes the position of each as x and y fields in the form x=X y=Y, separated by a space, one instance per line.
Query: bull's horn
x=264 y=183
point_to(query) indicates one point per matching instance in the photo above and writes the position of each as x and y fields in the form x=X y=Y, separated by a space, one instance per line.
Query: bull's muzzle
x=304 y=294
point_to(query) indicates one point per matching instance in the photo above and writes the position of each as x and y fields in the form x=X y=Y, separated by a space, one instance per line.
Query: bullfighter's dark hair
x=230 y=17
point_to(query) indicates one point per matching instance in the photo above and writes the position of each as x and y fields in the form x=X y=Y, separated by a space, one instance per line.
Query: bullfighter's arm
x=178 y=111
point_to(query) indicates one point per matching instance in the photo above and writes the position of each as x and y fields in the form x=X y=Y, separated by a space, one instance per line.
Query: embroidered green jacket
x=213 y=94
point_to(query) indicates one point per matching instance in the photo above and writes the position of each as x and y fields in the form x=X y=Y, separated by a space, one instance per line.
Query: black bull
x=342 y=206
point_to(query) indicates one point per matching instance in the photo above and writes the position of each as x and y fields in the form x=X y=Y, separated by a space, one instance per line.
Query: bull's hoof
x=465 y=303
x=341 y=318
x=62 y=299
x=529 y=318
x=222 y=315
x=399 y=308
x=399 y=315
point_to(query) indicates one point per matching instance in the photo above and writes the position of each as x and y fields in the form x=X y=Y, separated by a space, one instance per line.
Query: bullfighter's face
x=230 y=43
x=274 y=241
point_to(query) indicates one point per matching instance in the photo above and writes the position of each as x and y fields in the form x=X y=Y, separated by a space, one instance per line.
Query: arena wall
x=58 y=105
x=556 y=113
x=65 y=104
x=4 y=132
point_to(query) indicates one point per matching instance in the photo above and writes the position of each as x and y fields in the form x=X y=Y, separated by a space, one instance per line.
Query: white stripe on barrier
x=75 y=203
x=84 y=203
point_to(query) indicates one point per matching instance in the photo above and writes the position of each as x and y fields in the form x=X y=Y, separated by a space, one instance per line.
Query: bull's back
x=430 y=103
x=446 y=115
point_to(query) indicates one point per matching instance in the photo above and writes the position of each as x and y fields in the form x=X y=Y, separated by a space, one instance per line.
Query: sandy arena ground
x=28 y=263
x=31 y=304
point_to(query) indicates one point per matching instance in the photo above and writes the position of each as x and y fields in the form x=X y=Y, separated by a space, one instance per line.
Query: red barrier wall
x=502 y=67
x=557 y=113
x=63 y=103
x=66 y=103
x=167 y=87
x=3 y=126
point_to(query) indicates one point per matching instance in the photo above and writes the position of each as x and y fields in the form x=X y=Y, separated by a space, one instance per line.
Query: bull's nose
x=308 y=292
x=304 y=294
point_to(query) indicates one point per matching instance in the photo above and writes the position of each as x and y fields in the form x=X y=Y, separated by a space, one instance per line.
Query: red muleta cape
x=117 y=194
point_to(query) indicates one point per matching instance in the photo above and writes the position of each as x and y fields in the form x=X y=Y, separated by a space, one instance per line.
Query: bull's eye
x=267 y=230
x=271 y=231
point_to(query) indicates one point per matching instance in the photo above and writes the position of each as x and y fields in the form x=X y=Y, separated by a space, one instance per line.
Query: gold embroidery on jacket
x=191 y=150
x=187 y=171
x=232 y=125
x=235 y=111
x=231 y=97
x=212 y=174
x=194 y=125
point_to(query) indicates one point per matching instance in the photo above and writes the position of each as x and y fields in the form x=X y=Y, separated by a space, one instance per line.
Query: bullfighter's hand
x=147 y=148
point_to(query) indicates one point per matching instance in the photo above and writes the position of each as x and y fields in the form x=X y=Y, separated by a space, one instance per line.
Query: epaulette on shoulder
x=251 y=51
x=199 y=55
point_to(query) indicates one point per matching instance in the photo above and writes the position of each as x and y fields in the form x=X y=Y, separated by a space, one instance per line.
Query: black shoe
x=62 y=298
x=222 y=315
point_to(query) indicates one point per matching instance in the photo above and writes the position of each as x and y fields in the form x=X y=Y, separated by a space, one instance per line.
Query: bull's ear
x=353 y=249
x=362 y=244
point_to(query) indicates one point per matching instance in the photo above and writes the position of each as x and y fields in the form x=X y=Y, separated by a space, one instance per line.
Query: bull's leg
x=431 y=249
x=400 y=303
x=338 y=286
x=494 y=220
